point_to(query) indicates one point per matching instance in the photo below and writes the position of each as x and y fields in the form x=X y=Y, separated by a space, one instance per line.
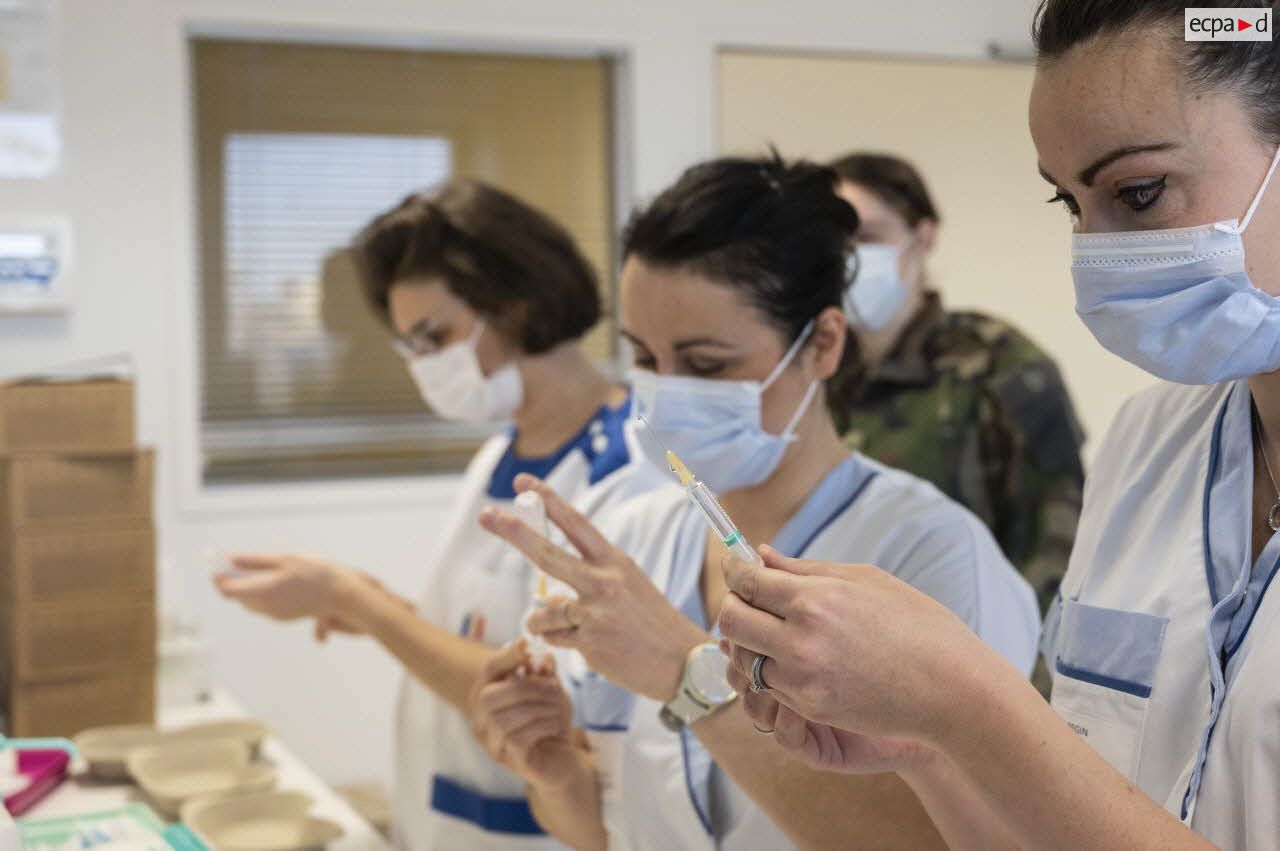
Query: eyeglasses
x=422 y=339
x=426 y=337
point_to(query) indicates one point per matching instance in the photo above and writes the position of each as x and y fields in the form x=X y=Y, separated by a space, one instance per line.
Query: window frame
x=197 y=497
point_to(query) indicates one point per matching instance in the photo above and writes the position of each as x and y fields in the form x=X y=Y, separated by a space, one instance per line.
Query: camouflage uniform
x=973 y=406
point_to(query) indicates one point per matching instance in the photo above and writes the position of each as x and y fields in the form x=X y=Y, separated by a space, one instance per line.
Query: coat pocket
x=1104 y=670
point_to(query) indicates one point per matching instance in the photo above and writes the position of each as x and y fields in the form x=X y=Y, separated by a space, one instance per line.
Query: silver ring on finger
x=757 y=675
x=760 y=729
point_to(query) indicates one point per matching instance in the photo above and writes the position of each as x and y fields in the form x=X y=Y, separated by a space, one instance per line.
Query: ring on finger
x=760 y=729
x=564 y=613
x=757 y=675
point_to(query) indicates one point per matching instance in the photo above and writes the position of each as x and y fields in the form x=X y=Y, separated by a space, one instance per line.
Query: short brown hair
x=891 y=179
x=508 y=261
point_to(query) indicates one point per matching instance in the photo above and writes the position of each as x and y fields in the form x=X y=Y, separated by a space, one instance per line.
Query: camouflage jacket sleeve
x=1030 y=442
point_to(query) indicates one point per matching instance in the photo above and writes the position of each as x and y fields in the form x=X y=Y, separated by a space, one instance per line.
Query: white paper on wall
x=30 y=135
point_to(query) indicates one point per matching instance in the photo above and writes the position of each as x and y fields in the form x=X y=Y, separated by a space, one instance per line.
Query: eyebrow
x=701 y=341
x=680 y=345
x=1088 y=175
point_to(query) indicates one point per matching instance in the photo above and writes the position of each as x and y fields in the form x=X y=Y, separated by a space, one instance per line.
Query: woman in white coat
x=487 y=298
x=731 y=293
x=1165 y=641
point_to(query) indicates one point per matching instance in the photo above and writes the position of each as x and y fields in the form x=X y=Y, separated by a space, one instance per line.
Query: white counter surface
x=80 y=794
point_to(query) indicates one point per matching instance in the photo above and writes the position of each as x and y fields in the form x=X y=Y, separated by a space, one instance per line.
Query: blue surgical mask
x=1178 y=303
x=714 y=425
x=875 y=292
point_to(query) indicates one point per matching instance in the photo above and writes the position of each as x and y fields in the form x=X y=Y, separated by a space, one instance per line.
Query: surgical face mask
x=714 y=424
x=875 y=292
x=453 y=384
x=1178 y=303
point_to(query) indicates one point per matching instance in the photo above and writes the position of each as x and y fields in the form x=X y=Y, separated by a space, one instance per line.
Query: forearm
x=1010 y=749
x=446 y=663
x=816 y=809
x=957 y=809
x=572 y=812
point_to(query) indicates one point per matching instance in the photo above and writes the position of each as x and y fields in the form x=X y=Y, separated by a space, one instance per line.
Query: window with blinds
x=299 y=146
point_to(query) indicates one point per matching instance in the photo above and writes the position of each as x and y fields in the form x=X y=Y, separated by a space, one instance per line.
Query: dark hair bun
x=774 y=230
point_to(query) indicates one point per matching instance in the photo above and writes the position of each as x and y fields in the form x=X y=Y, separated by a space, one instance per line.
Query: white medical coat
x=449 y=794
x=661 y=790
x=1164 y=642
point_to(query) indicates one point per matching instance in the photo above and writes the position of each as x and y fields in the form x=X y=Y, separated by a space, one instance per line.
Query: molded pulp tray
x=175 y=772
x=272 y=821
x=106 y=748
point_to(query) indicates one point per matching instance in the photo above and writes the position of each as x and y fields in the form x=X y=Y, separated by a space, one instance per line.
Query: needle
x=652 y=434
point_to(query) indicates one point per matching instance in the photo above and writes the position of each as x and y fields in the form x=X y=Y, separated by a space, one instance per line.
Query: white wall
x=126 y=184
x=964 y=125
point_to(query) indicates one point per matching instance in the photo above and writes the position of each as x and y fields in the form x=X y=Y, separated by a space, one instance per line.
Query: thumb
x=547 y=666
x=254 y=561
x=503 y=663
x=241 y=586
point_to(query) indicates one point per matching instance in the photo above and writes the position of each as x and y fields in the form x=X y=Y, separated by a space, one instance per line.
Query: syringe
x=528 y=507
x=701 y=496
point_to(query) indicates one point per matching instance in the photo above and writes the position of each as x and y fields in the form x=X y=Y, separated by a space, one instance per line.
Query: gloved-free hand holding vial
x=528 y=506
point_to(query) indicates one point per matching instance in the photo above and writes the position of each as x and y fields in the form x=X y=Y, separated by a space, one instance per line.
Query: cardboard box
x=77 y=563
x=49 y=642
x=65 y=707
x=46 y=490
x=66 y=415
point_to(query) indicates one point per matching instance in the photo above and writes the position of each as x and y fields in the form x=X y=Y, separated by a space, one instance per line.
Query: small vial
x=529 y=507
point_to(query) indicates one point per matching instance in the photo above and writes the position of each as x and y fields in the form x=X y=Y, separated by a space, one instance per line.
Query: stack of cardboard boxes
x=77 y=559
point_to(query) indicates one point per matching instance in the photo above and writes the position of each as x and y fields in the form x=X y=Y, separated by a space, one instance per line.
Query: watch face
x=706 y=674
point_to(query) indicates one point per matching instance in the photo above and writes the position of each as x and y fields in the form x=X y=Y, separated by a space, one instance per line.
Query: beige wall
x=1002 y=250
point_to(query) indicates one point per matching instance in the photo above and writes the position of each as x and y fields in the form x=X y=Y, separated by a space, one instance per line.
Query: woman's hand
x=847 y=647
x=522 y=716
x=288 y=587
x=620 y=622
x=822 y=746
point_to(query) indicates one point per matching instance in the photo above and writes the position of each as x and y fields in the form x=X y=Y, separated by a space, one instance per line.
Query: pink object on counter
x=44 y=770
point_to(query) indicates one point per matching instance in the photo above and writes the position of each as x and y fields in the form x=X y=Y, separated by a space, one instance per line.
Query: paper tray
x=272 y=821
x=173 y=773
x=106 y=748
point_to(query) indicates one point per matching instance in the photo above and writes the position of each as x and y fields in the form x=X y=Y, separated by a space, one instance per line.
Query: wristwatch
x=703 y=688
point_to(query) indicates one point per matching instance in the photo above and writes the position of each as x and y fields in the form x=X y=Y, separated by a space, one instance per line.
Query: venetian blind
x=299 y=146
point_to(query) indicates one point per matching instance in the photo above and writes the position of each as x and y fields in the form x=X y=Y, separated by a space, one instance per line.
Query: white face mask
x=455 y=387
x=714 y=424
x=1179 y=303
x=877 y=291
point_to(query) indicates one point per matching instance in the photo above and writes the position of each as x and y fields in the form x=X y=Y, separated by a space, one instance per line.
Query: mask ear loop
x=789 y=432
x=1262 y=190
x=789 y=356
x=783 y=364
